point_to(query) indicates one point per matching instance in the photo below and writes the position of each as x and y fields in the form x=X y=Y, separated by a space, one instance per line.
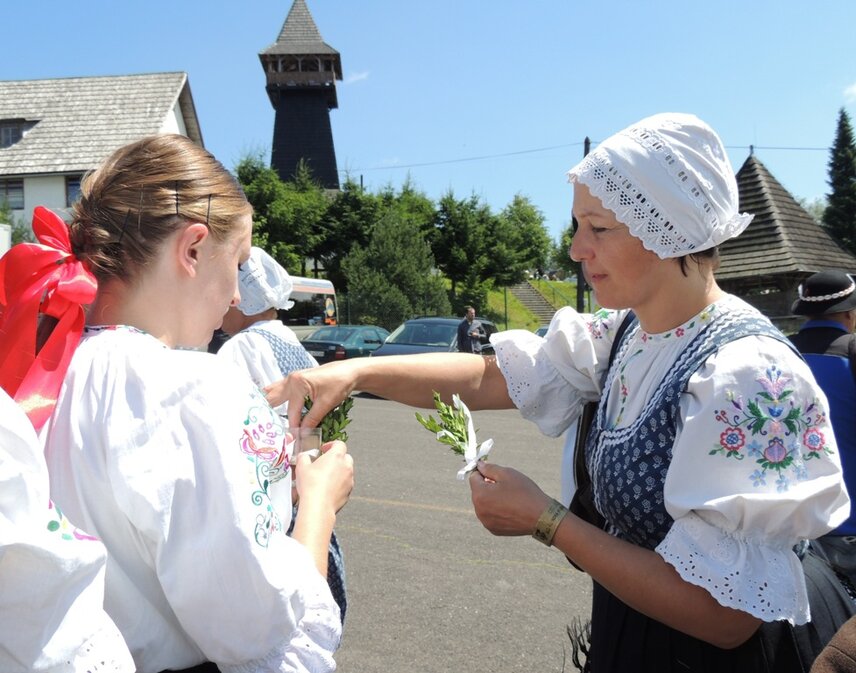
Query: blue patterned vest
x=290 y=356
x=628 y=465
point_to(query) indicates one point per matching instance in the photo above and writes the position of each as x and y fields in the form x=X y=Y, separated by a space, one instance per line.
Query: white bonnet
x=669 y=180
x=263 y=284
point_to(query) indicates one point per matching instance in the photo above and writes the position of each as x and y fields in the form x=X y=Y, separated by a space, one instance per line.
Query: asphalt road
x=429 y=589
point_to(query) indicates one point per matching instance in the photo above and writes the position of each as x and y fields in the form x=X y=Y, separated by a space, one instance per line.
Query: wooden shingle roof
x=81 y=120
x=299 y=34
x=782 y=239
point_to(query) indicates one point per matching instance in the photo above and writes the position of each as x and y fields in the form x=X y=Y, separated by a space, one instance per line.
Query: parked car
x=339 y=342
x=430 y=335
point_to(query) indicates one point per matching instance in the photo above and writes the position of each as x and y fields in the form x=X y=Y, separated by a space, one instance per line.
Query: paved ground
x=430 y=589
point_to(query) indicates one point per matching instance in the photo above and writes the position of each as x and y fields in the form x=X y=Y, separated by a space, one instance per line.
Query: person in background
x=711 y=456
x=470 y=333
x=827 y=342
x=268 y=351
x=52 y=618
x=169 y=455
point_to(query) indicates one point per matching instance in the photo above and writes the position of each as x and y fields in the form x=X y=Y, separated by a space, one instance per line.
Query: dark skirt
x=623 y=639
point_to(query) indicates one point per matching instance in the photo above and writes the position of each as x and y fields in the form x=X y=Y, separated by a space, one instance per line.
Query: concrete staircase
x=533 y=301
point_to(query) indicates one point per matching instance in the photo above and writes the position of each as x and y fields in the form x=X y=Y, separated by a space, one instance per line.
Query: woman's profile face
x=218 y=277
x=622 y=273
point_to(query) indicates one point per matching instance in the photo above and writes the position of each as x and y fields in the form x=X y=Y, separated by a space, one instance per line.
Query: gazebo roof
x=782 y=239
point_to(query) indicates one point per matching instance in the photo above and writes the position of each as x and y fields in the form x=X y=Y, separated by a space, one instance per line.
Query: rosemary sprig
x=334 y=423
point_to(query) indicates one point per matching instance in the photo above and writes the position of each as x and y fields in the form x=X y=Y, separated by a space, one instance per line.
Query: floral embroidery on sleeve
x=57 y=523
x=262 y=441
x=778 y=433
x=600 y=323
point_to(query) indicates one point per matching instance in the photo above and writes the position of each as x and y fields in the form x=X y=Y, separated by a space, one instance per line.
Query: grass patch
x=519 y=317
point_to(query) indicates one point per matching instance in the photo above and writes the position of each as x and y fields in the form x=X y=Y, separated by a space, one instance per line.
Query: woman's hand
x=323 y=486
x=328 y=479
x=326 y=386
x=506 y=501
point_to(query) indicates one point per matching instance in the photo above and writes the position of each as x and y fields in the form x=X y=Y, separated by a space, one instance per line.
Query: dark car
x=338 y=342
x=430 y=335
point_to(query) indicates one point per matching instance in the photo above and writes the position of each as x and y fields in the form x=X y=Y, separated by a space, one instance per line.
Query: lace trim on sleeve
x=763 y=580
x=309 y=649
x=534 y=385
x=104 y=652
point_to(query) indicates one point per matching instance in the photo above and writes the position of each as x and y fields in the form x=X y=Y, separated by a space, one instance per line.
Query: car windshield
x=423 y=334
x=331 y=334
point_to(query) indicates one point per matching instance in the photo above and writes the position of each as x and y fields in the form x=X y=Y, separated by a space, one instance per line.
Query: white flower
x=472 y=453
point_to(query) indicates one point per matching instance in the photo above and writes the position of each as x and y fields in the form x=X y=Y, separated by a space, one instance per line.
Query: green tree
x=461 y=246
x=840 y=214
x=520 y=242
x=814 y=208
x=287 y=215
x=21 y=233
x=348 y=222
x=391 y=278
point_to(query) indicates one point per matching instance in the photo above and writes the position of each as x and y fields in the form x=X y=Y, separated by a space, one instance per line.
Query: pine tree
x=840 y=215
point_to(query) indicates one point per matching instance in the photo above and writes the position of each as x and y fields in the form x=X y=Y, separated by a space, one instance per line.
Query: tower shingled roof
x=299 y=34
x=782 y=238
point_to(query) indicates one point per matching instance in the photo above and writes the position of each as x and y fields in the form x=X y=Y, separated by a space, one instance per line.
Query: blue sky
x=492 y=97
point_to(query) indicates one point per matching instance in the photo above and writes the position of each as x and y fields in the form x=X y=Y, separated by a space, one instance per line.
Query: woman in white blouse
x=711 y=456
x=171 y=456
x=52 y=618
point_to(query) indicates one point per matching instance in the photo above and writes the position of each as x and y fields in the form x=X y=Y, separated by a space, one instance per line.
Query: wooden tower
x=301 y=72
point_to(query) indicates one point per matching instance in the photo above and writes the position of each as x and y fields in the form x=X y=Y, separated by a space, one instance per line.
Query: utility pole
x=581 y=283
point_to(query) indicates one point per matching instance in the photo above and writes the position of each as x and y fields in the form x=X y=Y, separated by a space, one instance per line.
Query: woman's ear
x=189 y=242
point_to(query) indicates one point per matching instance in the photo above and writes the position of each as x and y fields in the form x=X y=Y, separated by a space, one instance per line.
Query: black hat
x=824 y=293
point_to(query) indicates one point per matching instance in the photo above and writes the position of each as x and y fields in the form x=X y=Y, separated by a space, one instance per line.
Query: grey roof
x=782 y=239
x=81 y=120
x=299 y=34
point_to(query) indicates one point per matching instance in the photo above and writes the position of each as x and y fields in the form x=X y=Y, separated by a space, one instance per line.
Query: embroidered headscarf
x=41 y=278
x=263 y=284
x=668 y=178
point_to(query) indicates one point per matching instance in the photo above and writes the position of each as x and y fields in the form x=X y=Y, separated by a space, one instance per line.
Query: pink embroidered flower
x=814 y=439
x=262 y=450
x=776 y=452
x=775 y=382
x=679 y=332
x=732 y=439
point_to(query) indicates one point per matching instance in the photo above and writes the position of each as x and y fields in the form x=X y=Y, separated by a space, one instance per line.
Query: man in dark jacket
x=828 y=344
x=470 y=332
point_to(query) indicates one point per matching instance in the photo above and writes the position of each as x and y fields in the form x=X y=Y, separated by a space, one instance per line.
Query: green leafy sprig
x=452 y=420
x=455 y=429
x=334 y=423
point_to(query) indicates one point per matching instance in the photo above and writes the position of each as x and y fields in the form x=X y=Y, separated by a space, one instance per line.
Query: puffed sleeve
x=549 y=379
x=252 y=353
x=52 y=575
x=195 y=472
x=755 y=469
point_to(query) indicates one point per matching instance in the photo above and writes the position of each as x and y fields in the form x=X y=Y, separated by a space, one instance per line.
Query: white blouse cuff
x=308 y=650
x=763 y=580
x=105 y=652
x=533 y=383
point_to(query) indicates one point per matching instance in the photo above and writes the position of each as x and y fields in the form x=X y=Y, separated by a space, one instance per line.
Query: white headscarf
x=669 y=180
x=263 y=284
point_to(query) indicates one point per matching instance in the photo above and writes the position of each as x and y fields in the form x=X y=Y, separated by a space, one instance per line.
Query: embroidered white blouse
x=746 y=481
x=175 y=460
x=252 y=352
x=51 y=575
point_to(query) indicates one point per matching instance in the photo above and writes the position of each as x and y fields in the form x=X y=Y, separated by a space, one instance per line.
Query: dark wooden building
x=781 y=246
x=301 y=72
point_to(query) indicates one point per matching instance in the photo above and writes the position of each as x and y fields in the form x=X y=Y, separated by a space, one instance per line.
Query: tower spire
x=301 y=72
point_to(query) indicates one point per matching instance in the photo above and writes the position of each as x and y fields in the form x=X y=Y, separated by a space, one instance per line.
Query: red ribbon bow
x=41 y=277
